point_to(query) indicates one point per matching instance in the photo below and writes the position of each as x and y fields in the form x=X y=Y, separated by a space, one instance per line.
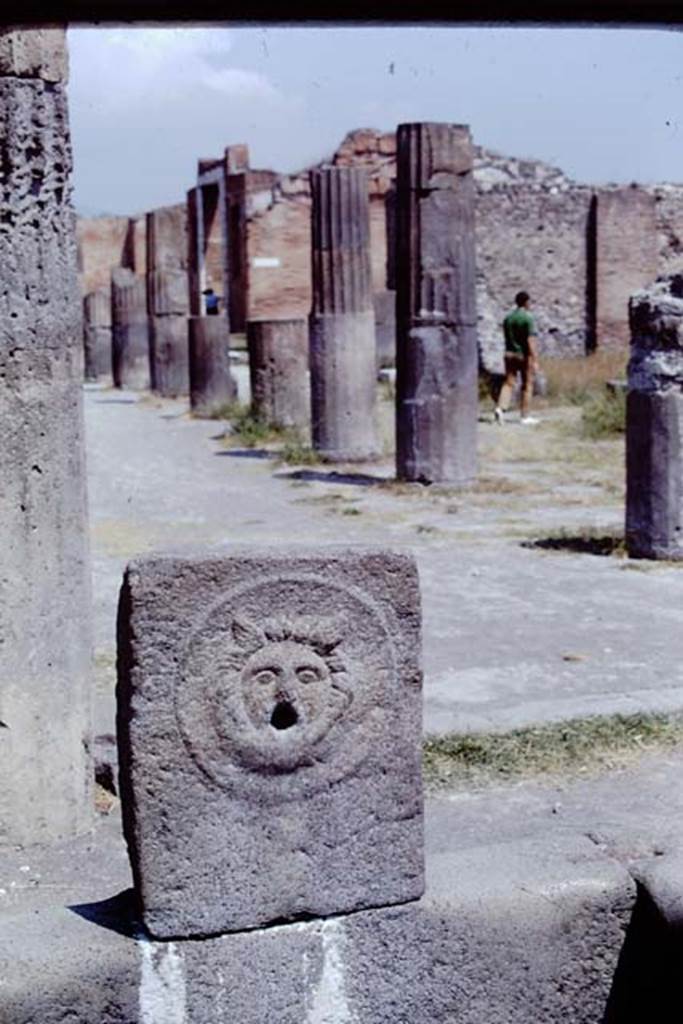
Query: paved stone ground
x=512 y=635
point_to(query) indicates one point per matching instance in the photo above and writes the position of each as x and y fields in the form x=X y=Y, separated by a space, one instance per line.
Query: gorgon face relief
x=283 y=688
x=282 y=703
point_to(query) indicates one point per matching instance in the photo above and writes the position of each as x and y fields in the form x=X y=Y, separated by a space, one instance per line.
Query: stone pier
x=130 y=330
x=436 y=359
x=45 y=633
x=270 y=723
x=211 y=382
x=168 y=299
x=278 y=370
x=342 y=321
x=654 y=423
x=97 y=334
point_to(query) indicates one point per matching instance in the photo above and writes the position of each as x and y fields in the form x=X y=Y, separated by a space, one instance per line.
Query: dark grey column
x=436 y=360
x=278 y=371
x=130 y=330
x=342 y=321
x=211 y=382
x=654 y=423
x=97 y=334
x=168 y=299
x=45 y=633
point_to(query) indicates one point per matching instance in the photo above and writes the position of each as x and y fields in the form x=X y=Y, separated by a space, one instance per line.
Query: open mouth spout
x=284 y=715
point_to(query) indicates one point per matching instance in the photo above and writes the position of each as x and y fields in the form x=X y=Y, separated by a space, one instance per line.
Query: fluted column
x=45 y=621
x=278 y=371
x=436 y=362
x=97 y=334
x=342 y=321
x=168 y=299
x=130 y=330
x=654 y=423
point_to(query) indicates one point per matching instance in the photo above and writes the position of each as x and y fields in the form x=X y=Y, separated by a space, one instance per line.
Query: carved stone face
x=286 y=686
x=277 y=704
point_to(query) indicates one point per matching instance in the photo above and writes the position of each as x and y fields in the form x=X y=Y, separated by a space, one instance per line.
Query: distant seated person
x=211 y=301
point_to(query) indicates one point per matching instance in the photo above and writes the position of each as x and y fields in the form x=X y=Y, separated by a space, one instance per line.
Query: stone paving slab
x=512 y=636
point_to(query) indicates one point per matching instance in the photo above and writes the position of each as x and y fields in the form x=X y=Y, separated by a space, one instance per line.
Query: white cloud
x=238 y=82
x=153 y=66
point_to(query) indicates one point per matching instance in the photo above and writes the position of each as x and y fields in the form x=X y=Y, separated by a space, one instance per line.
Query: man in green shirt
x=521 y=356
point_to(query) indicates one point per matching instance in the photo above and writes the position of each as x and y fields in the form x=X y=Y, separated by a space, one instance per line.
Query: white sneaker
x=499 y=416
x=529 y=421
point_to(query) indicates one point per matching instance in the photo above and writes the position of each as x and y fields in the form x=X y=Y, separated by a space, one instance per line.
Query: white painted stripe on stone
x=161 y=998
x=265 y=261
x=329 y=1004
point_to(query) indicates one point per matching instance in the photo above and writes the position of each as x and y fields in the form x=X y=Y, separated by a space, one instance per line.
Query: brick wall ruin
x=578 y=250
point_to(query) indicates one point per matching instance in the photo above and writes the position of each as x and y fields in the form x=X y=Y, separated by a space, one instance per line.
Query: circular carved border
x=217 y=733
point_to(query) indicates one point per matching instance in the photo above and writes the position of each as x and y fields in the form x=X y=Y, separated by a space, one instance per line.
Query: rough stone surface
x=278 y=371
x=34 y=53
x=342 y=321
x=45 y=621
x=211 y=382
x=269 y=736
x=97 y=334
x=130 y=331
x=168 y=355
x=385 y=328
x=625 y=258
x=654 y=423
x=436 y=335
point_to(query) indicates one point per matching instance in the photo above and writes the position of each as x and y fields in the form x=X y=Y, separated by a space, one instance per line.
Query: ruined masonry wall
x=534 y=230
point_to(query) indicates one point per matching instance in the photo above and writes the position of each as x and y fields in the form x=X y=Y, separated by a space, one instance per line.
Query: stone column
x=97 y=334
x=130 y=330
x=45 y=617
x=211 y=382
x=278 y=371
x=654 y=423
x=168 y=299
x=342 y=321
x=436 y=359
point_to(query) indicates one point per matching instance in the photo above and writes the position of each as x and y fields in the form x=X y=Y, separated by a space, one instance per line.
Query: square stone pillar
x=654 y=423
x=45 y=631
x=269 y=722
x=130 y=330
x=97 y=334
x=436 y=338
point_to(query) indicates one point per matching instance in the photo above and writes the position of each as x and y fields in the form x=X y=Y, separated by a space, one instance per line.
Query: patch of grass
x=350 y=511
x=576 y=381
x=582 y=744
x=503 y=485
x=227 y=411
x=604 y=416
x=590 y=541
x=294 y=453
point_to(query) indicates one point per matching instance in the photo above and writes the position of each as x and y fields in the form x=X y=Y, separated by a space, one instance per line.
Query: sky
x=604 y=105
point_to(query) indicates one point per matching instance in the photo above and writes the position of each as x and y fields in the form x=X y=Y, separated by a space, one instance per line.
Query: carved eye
x=265 y=677
x=306 y=674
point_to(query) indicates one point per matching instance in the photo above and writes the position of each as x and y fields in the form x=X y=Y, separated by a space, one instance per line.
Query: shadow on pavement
x=248 y=453
x=333 y=477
